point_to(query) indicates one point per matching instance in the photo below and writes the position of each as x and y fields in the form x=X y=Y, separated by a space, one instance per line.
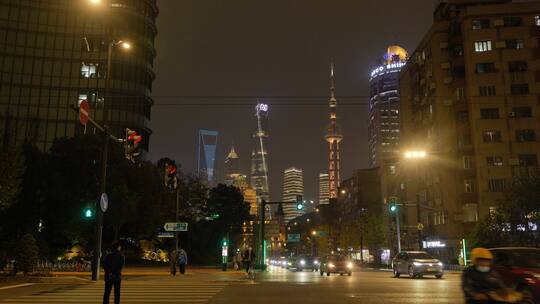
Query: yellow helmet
x=480 y=253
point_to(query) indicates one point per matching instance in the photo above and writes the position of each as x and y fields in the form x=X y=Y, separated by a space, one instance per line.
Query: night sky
x=281 y=50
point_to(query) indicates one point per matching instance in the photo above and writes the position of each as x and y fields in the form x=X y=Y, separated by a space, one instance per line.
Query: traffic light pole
x=398 y=231
x=177 y=209
x=262 y=218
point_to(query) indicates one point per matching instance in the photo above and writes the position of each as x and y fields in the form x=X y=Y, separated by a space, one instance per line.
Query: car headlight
x=331 y=265
x=349 y=265
x=283 y=263
x=417 y=264
x=316 y=262
x=440 y=264
x=289 y=263
x=302 y=262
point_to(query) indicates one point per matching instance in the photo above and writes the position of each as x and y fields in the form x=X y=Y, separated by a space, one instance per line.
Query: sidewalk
x=152 y=271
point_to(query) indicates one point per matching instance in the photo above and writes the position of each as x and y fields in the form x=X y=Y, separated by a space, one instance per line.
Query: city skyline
x=241 y=72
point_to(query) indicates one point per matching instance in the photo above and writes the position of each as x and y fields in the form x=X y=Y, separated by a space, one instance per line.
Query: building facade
x=231 y=167
x=293 y=186
x=469 y=98
x=324 y=194
x=383 y=128
x=54 y=55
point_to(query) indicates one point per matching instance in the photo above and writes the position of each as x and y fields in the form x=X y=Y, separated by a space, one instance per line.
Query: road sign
x=104 y=202
x=178 y=226
x=165 y=235
x=322 y=234
x=293 y=237
x=84 y=109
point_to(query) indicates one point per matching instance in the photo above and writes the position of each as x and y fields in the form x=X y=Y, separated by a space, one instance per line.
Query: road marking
x=131 y=292
x=15 y=286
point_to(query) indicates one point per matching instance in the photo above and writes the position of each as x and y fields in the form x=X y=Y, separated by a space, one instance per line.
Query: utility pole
x=176 y=219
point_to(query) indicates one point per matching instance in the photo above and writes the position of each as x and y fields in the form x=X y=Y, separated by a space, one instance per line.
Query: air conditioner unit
x=498 y=22
x=511 y=114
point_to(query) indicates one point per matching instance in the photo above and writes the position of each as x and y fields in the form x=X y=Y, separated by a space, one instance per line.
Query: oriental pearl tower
x=333 y=137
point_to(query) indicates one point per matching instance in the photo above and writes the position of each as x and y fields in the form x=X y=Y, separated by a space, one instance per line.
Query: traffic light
x=132 y=142
x=171 y=181
x=88 y=213
x=299 y=203
x=392 y=205
x=224 y=243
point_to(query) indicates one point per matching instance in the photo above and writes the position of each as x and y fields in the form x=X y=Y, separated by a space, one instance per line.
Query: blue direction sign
x=293 y=237
x=176 y=226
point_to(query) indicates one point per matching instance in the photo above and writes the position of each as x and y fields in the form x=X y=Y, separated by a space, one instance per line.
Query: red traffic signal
x=132 y=144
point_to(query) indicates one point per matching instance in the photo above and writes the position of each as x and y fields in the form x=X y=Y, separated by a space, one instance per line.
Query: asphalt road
x=275 y=286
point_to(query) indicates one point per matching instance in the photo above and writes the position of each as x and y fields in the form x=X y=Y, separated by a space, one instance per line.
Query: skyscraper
x=333 y=137
x=293 y=185
x=323 y=188
x=259 y=156
x=207 y=155
x=383 y=127
x=232 y=166
x=54 y=55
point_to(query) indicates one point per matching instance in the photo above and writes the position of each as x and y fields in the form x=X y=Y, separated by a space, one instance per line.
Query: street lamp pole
x=398 y=231
x=104 y=161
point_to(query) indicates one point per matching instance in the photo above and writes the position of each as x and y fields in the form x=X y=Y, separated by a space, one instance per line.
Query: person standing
x=172 y=261
x=182 y=260
x=249 y=258
x=113 y=264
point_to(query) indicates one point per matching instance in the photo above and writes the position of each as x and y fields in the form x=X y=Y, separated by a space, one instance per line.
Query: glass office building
x=54 y=55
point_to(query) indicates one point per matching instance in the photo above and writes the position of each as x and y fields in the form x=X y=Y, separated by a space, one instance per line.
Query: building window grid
x=496 y=185
x=487 y=90
x=491 y=136
x=525 y=135
x=494 y=161
x=489 y=113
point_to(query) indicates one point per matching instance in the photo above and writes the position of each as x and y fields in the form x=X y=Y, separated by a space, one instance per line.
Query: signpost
x=104 y=202
x=176 y=226
x=84 y=108
x=293 y=237
x=165 y=235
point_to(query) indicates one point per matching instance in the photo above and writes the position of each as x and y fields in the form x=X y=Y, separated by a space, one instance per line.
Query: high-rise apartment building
x=469 y=98
x=293 y=185
x=323 y=188
x=383 y=126
x=54 y=55
x=207 y=155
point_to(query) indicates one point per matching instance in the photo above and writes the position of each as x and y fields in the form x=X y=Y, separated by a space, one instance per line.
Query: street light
x=313 y=232
x=125 y=45
x=415 y=154
x=95 y=2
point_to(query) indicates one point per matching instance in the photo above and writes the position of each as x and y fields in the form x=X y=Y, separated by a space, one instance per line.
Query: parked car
x=416 y=264
x=336 y=264
x=519 y=267
x=303 y=262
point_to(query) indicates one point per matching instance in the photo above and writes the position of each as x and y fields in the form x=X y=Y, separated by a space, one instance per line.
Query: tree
x=516 y=220
x=11 y=172
x=27 y=254
x=375 y=235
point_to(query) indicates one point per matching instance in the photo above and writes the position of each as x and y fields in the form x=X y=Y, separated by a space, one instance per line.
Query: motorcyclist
x=481 y=284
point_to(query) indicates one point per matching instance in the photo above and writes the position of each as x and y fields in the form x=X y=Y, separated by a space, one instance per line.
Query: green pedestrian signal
x=299 y=202
x=393 y=208
x=392 y=204
x=88 y=213
x=225 y=243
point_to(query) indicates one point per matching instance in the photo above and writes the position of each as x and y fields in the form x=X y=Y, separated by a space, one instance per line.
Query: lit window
x=88 y=70
x=469 y=185
x=467 y=162
x=482 y=46
x=470 y=213
x=494 y=161
x=492 y=136
x=537 y=20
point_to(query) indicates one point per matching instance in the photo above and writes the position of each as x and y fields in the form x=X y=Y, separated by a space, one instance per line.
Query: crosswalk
x=132 y=292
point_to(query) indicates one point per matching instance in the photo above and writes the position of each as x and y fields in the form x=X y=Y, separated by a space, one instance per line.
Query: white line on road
x=15 y=286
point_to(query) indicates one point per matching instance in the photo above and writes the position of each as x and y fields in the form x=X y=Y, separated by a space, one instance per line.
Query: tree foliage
x=11 y=172
x=27 y=254
x=516 y=219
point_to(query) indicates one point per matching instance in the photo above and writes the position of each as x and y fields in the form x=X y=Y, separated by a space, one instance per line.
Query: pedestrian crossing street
x=132 y=292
